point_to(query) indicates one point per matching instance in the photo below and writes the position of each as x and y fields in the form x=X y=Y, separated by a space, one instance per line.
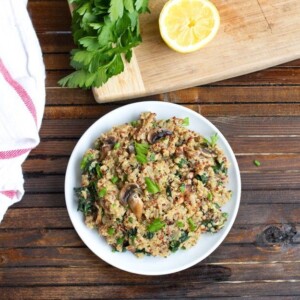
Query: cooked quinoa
x=153 y=186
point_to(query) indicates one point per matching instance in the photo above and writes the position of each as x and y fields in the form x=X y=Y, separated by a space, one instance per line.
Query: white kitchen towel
x=22 y=97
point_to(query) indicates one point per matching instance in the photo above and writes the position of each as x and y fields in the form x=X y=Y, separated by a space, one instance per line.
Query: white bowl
x=148 y=265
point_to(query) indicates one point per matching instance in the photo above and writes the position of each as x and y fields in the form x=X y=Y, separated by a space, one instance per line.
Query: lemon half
x=188 y=25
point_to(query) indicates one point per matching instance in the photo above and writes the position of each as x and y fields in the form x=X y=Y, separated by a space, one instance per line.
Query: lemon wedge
x=188 y=25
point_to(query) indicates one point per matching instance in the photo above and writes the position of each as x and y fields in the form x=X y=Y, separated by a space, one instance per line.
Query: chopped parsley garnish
x=141 y=150
x=85 y=161
x=192 y=224
x=117 y=145
x=182 y=163
x=111 y=231
x=149 y=235
x=120 y=240
x=102 y=192
x=209 y=196
x=156 y=225
x=219 y=167
x=180 y=224
x=174 y=245
x=152 y=157
x=152 y=187
x=98 y=171
x=225 y=215
x=213 y=140
x=134 y=123
x=186 y=121
x=257 y=162
x=203 y=178
x=182 y=188
x=114 y=179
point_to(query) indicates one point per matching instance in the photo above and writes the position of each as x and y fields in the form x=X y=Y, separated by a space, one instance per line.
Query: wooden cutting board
x=254 y=35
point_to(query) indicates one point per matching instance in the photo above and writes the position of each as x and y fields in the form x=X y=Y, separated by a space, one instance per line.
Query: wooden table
x=41 y=255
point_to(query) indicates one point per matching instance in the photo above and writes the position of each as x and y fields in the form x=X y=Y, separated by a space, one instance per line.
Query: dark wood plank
x=55 y=42
x=51 y=15
x=83 y=257
x=44 y=200
x=106 y=275
x=235 y=94
x=181 y=290
x=201 y=95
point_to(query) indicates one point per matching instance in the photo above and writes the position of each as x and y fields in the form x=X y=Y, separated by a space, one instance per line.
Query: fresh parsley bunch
x=105 y=31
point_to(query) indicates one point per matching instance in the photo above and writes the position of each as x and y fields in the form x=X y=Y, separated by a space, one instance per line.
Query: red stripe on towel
x=9 y=194
x=19 y=90
x=13 y=153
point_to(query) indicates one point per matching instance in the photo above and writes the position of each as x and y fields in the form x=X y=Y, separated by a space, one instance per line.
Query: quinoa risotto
x=153 y=186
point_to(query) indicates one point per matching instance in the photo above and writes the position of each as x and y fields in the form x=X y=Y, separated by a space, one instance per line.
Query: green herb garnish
x=257 y=162
x=209 y=196
x=180 y=224
x=225 y=215
x=117 y=145
x=219 y=167
x=130 y=219
x=156 y=225
x=174 y=246
x=213 y=140
x=102 y=192
x=111 y=231
x=103 y=32
x=152 y=187
x=141 y=150
x=182 y=163
x=87 y=158
x=186 y=121
x=203 y=178
x=114 y=179
x=134 y=123
x=120 y=241
x=149 y=235
x=192 y=224
x=152 y=157
x=182 y=188
x=98 y=171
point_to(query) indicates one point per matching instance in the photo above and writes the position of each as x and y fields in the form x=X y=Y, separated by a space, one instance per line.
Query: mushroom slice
x=157 y=134
x=108 y=144
x=136 y=205
x=130 y=194
x=208 y=153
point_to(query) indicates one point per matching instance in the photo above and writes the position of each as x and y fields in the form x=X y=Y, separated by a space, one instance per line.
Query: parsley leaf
x=102 y=192
x=186 y=121
x=213 y=140
x=103 y=31
x=152 y=187
x=141 y=152
x=156 y=225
